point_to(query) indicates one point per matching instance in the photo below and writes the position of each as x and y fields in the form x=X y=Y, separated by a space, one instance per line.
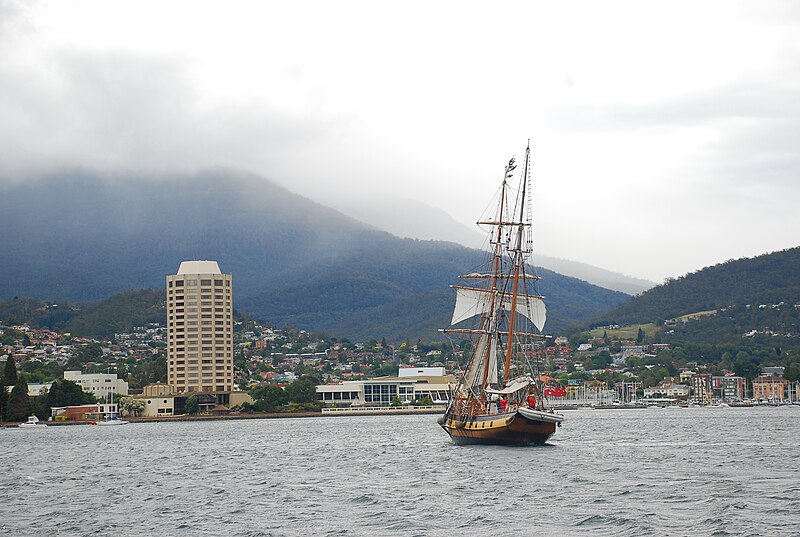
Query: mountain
x=81 y=237
x=412 y=219
x=595 y=275
x=755 y=297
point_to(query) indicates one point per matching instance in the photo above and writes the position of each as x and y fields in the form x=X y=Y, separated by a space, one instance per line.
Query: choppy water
x=721 y=471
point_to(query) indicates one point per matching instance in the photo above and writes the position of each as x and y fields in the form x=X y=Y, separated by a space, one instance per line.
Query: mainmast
x=518 y=260
x=491 y=319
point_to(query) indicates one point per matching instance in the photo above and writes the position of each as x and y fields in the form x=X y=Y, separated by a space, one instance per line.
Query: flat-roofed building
x=200 y=328
x=769 y=388
x=412 y=384
x=101 y=385
x=730 y=388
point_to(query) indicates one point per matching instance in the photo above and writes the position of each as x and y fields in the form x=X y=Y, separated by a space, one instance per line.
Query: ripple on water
x=671 y=472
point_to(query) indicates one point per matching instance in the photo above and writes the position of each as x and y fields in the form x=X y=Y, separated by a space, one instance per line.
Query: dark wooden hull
x=511 y=429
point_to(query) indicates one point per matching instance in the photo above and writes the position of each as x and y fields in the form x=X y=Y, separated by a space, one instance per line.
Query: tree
x=744 y=366
x=192 y=405
x=19 y=404
x=268 y=398
x=89 y=352
x=600 y=361
x=3 y=403
x=301 y=391
x=792 y=372
x=66 y=393
x=640 y=335
x=425 y=401
x=131 y=406
x=148 y=370
x=634 y=362
x=10 y=371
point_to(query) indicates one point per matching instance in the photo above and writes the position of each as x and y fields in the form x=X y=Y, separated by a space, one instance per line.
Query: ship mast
x=491 y=321
x=518 y=260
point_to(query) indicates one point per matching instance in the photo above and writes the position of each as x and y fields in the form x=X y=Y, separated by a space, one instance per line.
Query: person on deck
x=494 y=405
x=532 y=401
x=503 y=403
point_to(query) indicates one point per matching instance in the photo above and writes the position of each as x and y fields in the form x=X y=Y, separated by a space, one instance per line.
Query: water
x=695 y=471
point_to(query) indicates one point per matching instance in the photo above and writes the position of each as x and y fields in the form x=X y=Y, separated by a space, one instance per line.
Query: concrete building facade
x=411 y=384
x=769 y=388
x=101 y=385
x=200 y=328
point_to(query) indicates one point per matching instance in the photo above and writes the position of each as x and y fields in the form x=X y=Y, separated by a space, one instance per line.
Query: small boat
x=111 y=420
x=507 y=316
x=111 y=417
x=32 y=423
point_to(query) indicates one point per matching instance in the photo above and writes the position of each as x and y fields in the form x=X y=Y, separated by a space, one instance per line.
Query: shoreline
x=341 y=412
x=238 y=416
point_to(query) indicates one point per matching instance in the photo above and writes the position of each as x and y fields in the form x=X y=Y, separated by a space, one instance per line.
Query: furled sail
x=471 y=302
x=513 y=386
x=474 y=374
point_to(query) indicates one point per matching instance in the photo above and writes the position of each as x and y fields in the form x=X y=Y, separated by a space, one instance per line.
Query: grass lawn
x=626 y=332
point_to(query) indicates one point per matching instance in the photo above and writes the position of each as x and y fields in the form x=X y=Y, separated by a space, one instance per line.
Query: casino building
x=200 y=328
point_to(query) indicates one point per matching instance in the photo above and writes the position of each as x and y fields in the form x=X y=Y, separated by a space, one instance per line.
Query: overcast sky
x=666 y=137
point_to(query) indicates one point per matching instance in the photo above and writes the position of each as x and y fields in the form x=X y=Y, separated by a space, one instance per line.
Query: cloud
x=117 y=109
x=653 y=123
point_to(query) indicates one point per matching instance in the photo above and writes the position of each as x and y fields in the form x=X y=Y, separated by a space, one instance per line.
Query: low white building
x=405 y=372
x=412 y=383
x=35 y=390
x=101 y=385
x=671 y=390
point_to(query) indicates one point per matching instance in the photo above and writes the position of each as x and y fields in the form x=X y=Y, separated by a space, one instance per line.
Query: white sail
x=471 y=302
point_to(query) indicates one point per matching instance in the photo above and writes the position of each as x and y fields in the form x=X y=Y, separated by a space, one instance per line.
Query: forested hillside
x=101 y=319
x=80 y=237
x=774 y=277
x=751 y=301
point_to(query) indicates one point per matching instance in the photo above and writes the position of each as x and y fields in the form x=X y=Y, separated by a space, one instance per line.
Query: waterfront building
x=159 y=401
x=101 y=385
x=769 y=388
x=89 y=412
x=200 y=328
x=730 y=388
x=410 y=385
x=668 y=390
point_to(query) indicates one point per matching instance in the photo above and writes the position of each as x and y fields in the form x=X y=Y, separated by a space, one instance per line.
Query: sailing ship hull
x=512 y=429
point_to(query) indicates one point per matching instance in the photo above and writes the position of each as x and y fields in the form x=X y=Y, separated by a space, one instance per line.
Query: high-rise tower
x=200 y=328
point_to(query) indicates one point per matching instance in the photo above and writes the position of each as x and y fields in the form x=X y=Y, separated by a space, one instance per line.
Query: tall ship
x=500 y=316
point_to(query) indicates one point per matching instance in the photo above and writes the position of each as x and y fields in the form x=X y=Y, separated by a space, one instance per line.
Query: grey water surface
x=674 y=471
